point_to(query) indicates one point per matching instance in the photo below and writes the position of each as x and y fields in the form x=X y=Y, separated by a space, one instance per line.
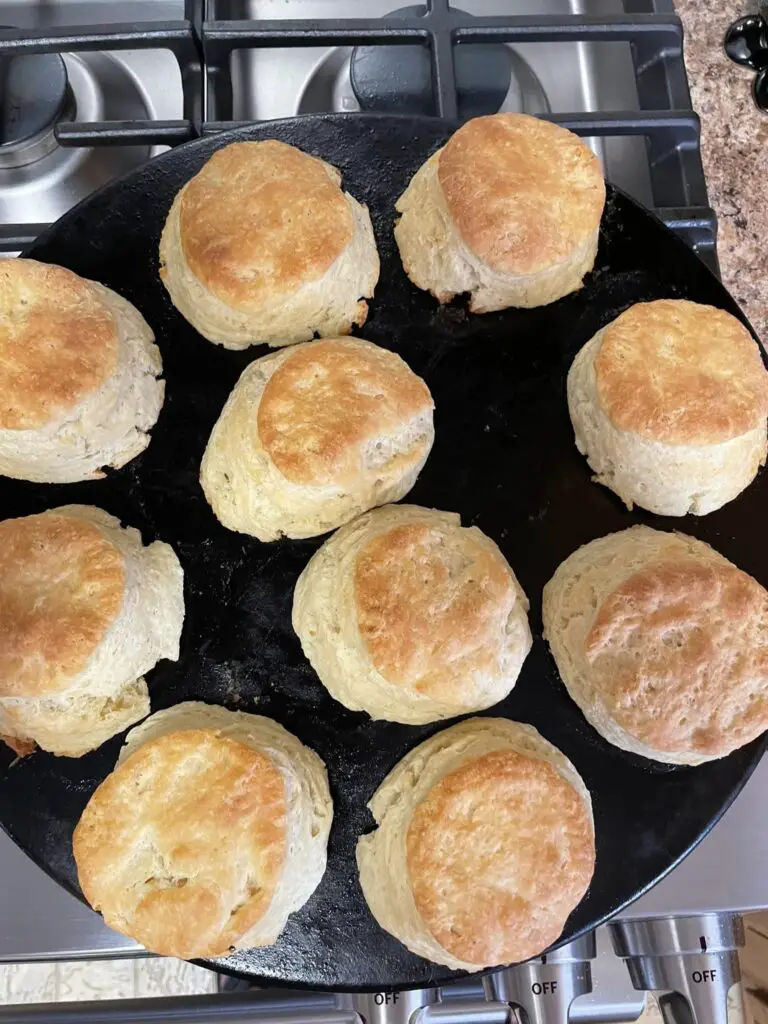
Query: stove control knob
x=389 y=1007
x=691 y=962
x=545 y=987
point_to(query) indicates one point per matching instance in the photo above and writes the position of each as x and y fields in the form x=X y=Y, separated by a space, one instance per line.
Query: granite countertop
x=734 y=145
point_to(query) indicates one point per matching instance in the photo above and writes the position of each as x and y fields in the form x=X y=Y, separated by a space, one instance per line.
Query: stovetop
x=146 y=74
x=165 y=72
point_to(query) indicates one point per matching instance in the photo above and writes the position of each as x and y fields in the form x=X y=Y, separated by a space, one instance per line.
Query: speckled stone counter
x=734 y=150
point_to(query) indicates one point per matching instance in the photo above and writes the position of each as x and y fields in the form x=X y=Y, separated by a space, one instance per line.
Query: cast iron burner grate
x=203 y=47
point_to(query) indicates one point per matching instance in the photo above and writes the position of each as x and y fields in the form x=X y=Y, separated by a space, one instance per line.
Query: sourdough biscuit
x=85 y=611
x=485 y=844
x=312 y=436
x=669 y=403
x=662 y=643
x=409 y=616
x=508 y=210
x=79 y=375
x=262 y=245
x=209 y=833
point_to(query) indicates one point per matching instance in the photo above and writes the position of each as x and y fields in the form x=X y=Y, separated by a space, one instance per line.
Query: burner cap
x=398 y=79
x=33 y=91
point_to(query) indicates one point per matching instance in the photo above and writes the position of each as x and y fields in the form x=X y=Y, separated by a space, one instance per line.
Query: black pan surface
x=504 y=458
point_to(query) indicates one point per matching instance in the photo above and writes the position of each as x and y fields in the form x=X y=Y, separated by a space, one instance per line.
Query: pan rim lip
x=210 y=144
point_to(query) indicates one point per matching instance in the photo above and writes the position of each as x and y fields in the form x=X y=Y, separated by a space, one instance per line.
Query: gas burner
x=406 y=87
x=398 y=79
x=40 y=179
x=34 y=97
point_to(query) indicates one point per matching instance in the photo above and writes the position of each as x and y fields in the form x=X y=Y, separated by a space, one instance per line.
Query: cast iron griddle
x=504 y=458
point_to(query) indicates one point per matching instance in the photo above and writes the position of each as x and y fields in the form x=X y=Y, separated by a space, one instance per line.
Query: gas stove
x=166 y=72
x=92 y=89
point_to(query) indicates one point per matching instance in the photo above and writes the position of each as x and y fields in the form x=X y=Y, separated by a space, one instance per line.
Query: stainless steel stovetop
x=610 y=69
x=148 y=72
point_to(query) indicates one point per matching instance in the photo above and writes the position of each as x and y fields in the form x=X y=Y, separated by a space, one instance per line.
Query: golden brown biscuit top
x=432 y=606
x=499 y=853
x=58 y=342
x=61 y=588
x=682 y=373
x=260 y=219
x=679 y=654
x=329 y=404
x=182 y=846
x=523 y=193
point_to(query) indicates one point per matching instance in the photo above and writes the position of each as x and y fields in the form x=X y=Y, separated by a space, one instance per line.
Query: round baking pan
x=504 y=457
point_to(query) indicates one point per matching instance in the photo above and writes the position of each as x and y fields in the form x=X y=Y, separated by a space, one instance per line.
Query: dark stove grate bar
x=129 y=133
x=439 y=29
x=199 y=44
x=182 y=38
x=16 y=237
x=683 y=122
